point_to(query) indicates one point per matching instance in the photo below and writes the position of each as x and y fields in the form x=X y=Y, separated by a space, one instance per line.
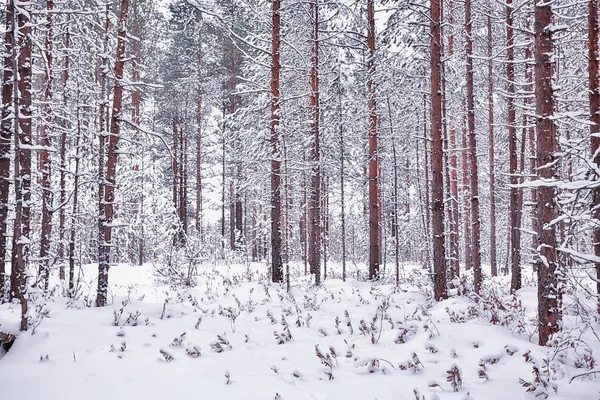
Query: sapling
x=348 y=322
x=453 y=376
x=326 y=360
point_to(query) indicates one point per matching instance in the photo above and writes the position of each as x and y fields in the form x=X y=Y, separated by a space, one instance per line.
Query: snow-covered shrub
x=327 y=360
x=454 y=377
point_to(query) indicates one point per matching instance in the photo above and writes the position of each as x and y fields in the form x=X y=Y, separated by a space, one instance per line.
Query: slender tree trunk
x=175 y=166
x=113 y=148
x=549 y=295
x=395 y=197
x=6 y=133
x=304 y=219
x=22 y=111
x=515 y=245
x=594 y=86
x=45 y=162
x=426 y=146
x=199 y=227
x=184 y=175
x=103 y=256
x=475 y=221
x=223 y=186
x=342 y=179
x=437 y=157
x=453 y=160
x=325 y=221
x=466 y=193
x=314 y=213
x=491 y=151
x=276 y=258
x=63 y=158
x=72 y=289
x=374 y=201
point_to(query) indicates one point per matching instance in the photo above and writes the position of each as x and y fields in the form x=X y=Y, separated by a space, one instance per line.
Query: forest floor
x=258 y=342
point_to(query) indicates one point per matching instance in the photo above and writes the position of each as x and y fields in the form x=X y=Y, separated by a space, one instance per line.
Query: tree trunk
x=276 y=258
x=437 y=157
x=103 y=260
x=23 y=99
x=199 y=227
x=6 y=134
x=466 y=193
x=515 y=245
x=475 y=221
x=594 y=86
x=314 y=214
x=491 y=151
x=374 y=201
x=395 y=198
x=426 y=141
x=342 y=179
x=113 y=148
x=63 y=159
x=453 y=164
x=45 y=162
x=72 y=289
x=549 y=296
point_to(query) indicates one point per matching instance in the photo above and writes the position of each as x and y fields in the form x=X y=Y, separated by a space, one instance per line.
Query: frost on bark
x=111 y=163
x=594 y=86
x=45 y=162
x=22 y=102
x=474 y=182
x=491 y=152
x=6 y=133
x=314 y=212
x=276 y=259
x=437 y=192
x=514 y=204
x=549 y=296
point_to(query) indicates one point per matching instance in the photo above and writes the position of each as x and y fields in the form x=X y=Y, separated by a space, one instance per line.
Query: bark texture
x=549 y=295
x=437 y=191
x=111 y=164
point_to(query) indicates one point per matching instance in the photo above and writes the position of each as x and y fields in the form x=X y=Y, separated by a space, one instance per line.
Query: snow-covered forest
x=376 y=199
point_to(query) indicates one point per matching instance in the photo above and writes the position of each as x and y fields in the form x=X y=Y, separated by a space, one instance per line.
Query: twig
x=584 y=374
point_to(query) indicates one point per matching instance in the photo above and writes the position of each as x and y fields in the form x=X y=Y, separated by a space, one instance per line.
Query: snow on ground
x=412 y=347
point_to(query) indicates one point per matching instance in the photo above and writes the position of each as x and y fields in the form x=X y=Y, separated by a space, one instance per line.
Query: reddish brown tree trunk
x=515 y=245
x=437 y=157
x=374 y=202
x=314 y=212
x=276 y=258
x=549 y=296
x=6 y=136
x=45 y=162
x=594 y=84
x=493 y=261
x=113 y=148
x=23 y=100
x=475 y=221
